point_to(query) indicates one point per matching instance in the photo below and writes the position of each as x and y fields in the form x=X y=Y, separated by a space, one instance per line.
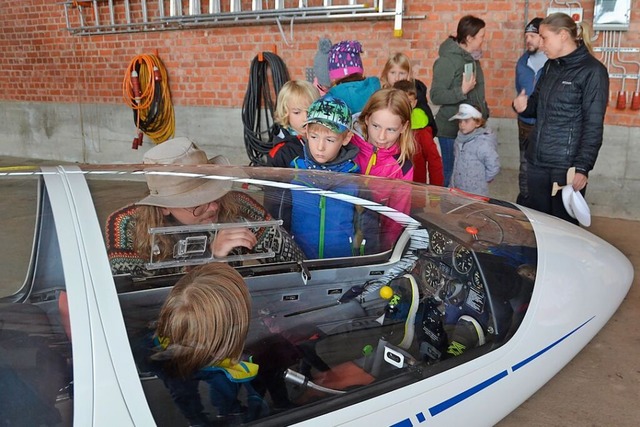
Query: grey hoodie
x=446 y=87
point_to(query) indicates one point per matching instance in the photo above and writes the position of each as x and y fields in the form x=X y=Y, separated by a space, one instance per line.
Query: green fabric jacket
x=446 y=86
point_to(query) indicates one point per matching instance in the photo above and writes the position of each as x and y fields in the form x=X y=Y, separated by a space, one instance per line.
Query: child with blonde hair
x=386 y=147
x=397 y=68
x=294 y=99
x=475 y=152
x=200 y=336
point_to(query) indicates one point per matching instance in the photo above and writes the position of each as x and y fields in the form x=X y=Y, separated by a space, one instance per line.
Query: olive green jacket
x=446 y=87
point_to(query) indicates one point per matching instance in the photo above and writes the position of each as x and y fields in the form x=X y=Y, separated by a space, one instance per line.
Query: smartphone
x=468 y=70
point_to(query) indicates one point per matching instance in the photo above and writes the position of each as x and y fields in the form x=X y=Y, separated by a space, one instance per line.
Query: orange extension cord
x=145 y=90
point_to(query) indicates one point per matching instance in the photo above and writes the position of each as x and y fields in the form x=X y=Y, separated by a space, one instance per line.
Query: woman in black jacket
x=569 y=104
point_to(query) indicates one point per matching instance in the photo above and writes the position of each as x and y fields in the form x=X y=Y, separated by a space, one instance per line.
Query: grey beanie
x=320 y=62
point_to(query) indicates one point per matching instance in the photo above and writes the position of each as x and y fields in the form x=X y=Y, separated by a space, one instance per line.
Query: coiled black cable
x=259 y=104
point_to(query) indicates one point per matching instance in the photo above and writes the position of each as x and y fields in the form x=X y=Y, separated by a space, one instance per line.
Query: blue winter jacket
x=323 y=226
x=526 y=79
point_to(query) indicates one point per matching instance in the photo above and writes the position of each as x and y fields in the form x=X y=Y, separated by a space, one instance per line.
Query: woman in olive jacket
x=451 y=87
x=569 y=104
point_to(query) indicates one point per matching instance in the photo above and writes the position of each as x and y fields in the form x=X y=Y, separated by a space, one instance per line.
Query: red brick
x=41 y=61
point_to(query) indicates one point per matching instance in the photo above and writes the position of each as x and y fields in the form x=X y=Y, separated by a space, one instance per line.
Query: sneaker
x=467 y=334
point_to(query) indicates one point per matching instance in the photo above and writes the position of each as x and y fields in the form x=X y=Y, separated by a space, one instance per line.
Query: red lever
x=622 y=101
x=635 y=101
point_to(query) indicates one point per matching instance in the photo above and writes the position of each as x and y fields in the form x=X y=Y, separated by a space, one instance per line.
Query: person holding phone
x=457 y=79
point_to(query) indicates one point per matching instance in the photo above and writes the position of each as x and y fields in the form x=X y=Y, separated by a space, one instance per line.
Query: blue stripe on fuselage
x=452 y=401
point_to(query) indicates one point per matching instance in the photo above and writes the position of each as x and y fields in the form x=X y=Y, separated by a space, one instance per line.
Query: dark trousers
x=524 y=130
x=446 y=150
x=540 y=181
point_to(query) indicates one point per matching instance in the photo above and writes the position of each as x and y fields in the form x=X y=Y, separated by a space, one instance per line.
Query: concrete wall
x=97 y=133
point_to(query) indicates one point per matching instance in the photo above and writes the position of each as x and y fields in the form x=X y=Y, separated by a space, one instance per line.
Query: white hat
x=466 y=111
x=176 y=191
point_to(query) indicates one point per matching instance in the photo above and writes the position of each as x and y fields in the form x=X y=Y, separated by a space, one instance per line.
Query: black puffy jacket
x=569 y=104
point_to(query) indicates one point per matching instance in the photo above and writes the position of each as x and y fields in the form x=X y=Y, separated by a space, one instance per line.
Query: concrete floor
x=601 y=386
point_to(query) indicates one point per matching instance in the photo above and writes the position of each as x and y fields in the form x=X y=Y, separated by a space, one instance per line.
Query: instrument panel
x=450 y=272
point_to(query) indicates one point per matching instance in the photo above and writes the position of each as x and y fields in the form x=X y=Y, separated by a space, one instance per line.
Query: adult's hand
x=230 y=238
x=520 y=102
x=468 y=83
x=579 y=181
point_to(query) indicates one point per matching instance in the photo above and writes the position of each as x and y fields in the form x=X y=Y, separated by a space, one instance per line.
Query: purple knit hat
x=344 y=59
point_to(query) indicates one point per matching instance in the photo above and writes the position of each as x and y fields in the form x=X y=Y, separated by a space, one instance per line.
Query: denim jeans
x=446 y=150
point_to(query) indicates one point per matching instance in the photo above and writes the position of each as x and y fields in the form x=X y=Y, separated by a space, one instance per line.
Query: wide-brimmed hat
x=170 y=189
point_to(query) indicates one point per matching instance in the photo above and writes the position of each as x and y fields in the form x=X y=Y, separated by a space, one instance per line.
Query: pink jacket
x=382 y=162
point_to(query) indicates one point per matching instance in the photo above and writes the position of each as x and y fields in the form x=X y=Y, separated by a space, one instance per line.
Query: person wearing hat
x=322 y=226
x=475 y=151
x=529 y=68
x=347 y=75
x=177 y=200
x=321 y=79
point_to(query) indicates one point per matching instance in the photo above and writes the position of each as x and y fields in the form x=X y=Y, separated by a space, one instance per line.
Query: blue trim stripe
x=549 y=347
x=435 y=410
x=404 y=423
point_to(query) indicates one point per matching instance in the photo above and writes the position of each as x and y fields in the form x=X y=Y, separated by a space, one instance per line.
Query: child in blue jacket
x=322 y=225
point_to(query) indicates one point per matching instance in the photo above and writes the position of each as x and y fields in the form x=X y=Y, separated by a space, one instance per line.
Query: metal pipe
x=95 y=12
x=300 y=380
x=112 y=18
x=144 y=11
x=628 y=62
x=127 y=11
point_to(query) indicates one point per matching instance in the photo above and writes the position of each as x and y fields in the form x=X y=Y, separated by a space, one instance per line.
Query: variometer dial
x=462 y=260
x=431 y=276
x=438 y=243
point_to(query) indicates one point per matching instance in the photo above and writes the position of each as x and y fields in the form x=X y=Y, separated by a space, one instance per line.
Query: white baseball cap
x=466 y=111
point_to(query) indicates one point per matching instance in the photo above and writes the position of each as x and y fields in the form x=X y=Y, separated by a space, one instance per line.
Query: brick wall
x=42 y=62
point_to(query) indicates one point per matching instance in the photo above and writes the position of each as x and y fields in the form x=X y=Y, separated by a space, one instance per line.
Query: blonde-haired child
x=386 y=145
x=475 y=152
x=386 y=148
x=397 y=68
x=292 y=103
x=200 y=336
